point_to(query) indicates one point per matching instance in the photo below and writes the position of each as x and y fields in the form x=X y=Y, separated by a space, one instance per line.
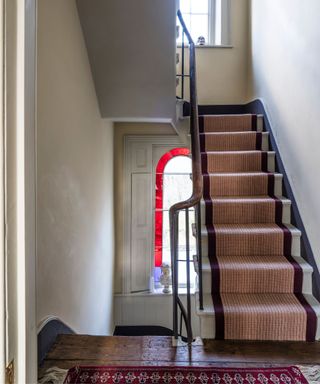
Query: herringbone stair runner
x=256 y=285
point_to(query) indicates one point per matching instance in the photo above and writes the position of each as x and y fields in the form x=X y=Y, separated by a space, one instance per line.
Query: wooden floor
x=71 y=350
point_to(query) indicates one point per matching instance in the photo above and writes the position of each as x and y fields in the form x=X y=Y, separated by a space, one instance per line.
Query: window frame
x=225 y=22
x=158 y=208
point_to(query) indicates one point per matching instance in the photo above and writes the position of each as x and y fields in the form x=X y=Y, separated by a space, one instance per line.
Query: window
x=173 y=184
x=208 y=19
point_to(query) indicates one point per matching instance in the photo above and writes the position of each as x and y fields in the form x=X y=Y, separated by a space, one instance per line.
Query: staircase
x=256 y=286
x=253 y=283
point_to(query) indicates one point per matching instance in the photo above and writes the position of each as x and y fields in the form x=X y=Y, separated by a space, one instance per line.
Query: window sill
x=208 y=46
x=157 y=292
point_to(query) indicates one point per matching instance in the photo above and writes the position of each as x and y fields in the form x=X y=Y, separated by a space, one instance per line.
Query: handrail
x=193 y=201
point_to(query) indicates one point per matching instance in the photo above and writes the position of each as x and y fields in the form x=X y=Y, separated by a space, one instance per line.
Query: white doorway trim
x=19 y=81
x=149 y=141
x=2 y=201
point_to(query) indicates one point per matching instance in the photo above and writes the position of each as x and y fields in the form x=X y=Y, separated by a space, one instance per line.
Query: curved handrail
x=196 y=177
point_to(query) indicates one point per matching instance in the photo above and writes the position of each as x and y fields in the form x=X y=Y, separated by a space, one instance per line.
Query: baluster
x=199 y=252
x=182 y=67
x=189 y=328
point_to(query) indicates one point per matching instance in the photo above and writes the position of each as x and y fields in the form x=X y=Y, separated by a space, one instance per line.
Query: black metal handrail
x=193 y=201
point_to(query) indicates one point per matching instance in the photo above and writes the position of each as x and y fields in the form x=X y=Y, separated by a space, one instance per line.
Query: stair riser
x=295 y=248
x=306 y=286
x=208 y=323
x=221 y=142
x=183 y=124
x=221 y=187
x=286 y=215
x=259 y=123
x=234 y=163
x=233 y=125
x=207 y=329
x=265 y=141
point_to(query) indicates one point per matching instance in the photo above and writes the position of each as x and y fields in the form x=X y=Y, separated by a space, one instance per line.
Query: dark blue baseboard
x=142 y=330
x=47 y=336
x=257 y=107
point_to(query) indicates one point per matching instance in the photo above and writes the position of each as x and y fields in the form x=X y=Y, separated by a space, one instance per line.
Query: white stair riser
x=271 y=162
x=207 y=327
x=265 y=141
x=278 y=178
x=259 y=123
x=286 y=212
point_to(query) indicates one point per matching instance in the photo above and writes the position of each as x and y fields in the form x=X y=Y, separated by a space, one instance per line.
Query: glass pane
x=176 y=188
x=179 y=164
x=185 y=5
x=199 y=27
x=182 y=274
x=199 y=6
x=166 y=257
x=182 y=236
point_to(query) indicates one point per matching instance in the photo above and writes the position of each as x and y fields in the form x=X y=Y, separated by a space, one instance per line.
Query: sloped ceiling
x=131 y=49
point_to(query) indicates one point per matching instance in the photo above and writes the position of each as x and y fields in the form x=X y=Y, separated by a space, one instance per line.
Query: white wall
x=75 y=179
x=222 y=73
x=286 y=75
x=131 y=46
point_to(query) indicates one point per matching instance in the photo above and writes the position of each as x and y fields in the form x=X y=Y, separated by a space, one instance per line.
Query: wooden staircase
x=256 y=285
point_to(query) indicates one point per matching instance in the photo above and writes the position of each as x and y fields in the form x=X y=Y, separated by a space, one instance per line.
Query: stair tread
x=246 y=199
x=256 y=302
x=254 y=285
x=258 y=261
x=253 y=228
x=233 y=133
x=223 y=153
x=245 y=174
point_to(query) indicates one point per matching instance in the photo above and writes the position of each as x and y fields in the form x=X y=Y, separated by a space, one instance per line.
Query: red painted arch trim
x=159 y=199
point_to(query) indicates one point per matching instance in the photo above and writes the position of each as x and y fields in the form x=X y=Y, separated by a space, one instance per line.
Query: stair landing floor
x=71 y=350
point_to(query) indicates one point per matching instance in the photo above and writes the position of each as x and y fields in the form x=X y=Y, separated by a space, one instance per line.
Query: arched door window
x=173 y=184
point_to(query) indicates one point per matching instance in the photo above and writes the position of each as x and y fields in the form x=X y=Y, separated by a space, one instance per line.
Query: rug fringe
x=54 y=375
x=311 y=373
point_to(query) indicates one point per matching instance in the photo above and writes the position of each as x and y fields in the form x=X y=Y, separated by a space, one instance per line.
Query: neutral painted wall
x=286 y=75
x=120 y=131
x=151 y=309
x=131 y=46
x=75 y=179
x=223 y=72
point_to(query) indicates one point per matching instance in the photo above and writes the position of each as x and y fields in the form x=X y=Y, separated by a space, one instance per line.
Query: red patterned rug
x=184 y=375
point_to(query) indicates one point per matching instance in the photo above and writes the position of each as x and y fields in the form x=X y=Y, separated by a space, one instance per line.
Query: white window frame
x=221 y=37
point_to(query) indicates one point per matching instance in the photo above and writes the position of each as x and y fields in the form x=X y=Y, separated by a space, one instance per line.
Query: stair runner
x=256 y=282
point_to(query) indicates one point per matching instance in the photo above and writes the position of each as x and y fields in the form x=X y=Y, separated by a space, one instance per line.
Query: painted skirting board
x=48 y=330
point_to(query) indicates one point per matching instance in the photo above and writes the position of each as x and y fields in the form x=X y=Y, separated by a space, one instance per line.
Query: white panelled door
x=142 y=153
x=141 y=231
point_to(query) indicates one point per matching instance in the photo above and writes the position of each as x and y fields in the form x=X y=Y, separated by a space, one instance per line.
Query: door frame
x=2 y=205
x=23 y=21
x=129 y=140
